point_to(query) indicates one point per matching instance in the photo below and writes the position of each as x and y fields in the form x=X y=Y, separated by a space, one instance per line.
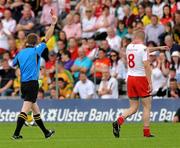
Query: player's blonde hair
x=139 y=34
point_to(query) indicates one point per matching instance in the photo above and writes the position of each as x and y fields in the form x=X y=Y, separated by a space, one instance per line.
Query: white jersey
x=136 y=54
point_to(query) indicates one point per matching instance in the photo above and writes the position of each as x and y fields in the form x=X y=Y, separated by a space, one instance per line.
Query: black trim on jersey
x=45 y=53
x=18 y=63
x=37 y=58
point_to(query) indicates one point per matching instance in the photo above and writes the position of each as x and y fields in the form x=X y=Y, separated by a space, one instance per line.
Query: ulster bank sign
x=88 y=110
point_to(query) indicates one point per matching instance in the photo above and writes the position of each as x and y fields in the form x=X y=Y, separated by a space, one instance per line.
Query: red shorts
x=138 y=87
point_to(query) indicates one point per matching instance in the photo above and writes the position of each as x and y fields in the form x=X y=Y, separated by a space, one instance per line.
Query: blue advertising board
x=89 y=110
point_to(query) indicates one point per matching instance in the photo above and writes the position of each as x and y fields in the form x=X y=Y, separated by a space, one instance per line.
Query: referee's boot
x=49 y=134
x=116 y=129
x=14 y=137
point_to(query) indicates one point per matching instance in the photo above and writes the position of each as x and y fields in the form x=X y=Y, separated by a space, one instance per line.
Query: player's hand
x=54 y=17
x=164 y=48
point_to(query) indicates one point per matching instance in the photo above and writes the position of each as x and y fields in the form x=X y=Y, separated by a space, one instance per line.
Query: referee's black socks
x=20 y=122
x=40 y=123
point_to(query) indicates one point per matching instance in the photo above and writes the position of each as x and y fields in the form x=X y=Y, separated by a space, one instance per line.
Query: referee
x=28 y=59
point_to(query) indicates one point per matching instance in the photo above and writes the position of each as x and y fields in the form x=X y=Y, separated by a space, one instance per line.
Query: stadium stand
x=101 y=29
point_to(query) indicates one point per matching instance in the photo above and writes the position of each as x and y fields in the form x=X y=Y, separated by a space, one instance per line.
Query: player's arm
x=50 y=31
x=159 y=48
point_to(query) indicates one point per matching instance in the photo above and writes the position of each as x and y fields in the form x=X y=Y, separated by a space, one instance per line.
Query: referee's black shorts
x=29 y=90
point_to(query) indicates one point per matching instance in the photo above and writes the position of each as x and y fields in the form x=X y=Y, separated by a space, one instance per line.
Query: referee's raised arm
x=41 y=49
x=50 y=31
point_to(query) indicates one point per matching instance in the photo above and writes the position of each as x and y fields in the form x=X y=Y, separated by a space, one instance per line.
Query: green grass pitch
x=92 y=135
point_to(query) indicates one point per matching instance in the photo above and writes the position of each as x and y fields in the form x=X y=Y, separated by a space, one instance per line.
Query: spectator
x=157 y=8
x=84 y=45
x=21 y=40
x=99 y=65
x=170 y=43
x=81 y=7
x=88 y=24
x=176 y=28
x=168 y=31
x=44 y=79
x=109 y=3
x=62 y=37
x=2 y=8
x=8 y=22
x=93 y=49
x=53 y=93
x=6 y=56
x=81 y=64
x=70 y=26
x=46 y=16
x=64 y=8
x=97 y=7
x=121 y=29
x=65 y=89
x=154 y=30
x=108 y=88
x=16 y=9
x=41 y=94
x=175 y=60
x=77 y=22
x=61 y=47
x=129 y=35
x=141 y=10
x=129 y=18
x=4 y=34
x=105 y=46
x=173 y=91
x=65 y=74
x=119 y=13
x=175 y=64
x=147 y=17
x=12 y=47
x=50 y=65
x=7 y=75
x=173 y=6
x=134 y=7
x=103 y=22
x=73 y=48
x=147 y=3
x=114 y=63
x=166 y=18
x=160 y=75
x=84 y=87
x=66 y=59
x=114 y=41
x=26 y=22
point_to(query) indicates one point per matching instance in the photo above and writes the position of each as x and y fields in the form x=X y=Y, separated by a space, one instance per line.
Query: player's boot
x=116 y=129
x=149 y=136
x=14 y=137
x=50 y=134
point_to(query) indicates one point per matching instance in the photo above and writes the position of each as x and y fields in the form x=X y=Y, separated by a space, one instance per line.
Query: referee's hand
x=54 y=17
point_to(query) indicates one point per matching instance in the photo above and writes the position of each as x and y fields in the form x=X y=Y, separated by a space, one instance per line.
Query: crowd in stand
x=87 y=53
